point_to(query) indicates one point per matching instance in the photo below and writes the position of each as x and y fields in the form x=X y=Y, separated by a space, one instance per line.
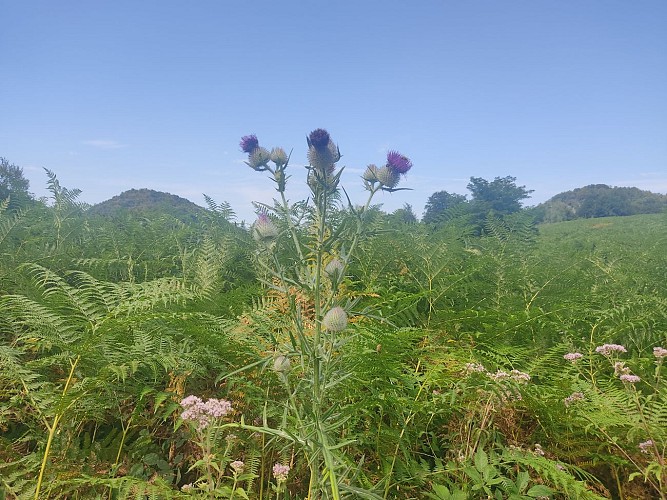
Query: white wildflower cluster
x=630 y=379
x=573 y=356
x=204 y=412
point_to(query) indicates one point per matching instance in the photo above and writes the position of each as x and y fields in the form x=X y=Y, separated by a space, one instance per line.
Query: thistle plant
x=322 y=251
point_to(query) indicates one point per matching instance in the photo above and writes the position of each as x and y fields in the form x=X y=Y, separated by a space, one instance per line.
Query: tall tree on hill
x=501 y=196
x=438 y=203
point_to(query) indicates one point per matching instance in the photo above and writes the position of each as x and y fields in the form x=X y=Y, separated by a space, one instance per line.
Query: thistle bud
x=264 y=230
x=259 y=158
x=370 y=174
x=281 y=364
x=335 y=320
x=387 y=177
x=323 y=159
x=334 y=269
x=278 y=156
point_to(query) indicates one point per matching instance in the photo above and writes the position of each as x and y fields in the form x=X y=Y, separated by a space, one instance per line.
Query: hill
x=148 y=201
x=600 y=200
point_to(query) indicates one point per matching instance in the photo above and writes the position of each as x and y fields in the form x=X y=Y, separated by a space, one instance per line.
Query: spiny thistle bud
x=259 y=158
x=322 y=152
x=335 y=320
x=281 y=364
x=371 y=174
x=334 y=269
x=398 y=163
x=387 y=177
x=264 y=229
x=324 y=158
x=278 y=156
x=249 y=143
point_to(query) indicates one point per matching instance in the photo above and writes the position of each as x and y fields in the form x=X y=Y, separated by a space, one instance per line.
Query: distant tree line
x=502 y=197
x=496 y=198
x=600 y=200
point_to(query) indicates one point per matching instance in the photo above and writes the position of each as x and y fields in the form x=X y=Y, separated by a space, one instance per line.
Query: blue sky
x=157 y=94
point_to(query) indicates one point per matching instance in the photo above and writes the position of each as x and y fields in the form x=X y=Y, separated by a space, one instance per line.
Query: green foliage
x=500 y=197
x=13 y=185
x=107 y=322
x=600 y=200
x=438 y=204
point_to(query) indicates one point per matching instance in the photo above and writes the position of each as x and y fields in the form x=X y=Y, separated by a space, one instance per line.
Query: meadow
x=330 y=350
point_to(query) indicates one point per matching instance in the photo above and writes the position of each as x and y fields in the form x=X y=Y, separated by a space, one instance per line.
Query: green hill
x=600 y=200
x=149 y=202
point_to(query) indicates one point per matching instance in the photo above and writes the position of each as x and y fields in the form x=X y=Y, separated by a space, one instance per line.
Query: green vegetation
x=330 y=350
x=600 y=200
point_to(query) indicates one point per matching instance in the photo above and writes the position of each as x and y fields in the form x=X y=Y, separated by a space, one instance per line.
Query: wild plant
x=305 y=249
x=625 y=410
x=217 y=470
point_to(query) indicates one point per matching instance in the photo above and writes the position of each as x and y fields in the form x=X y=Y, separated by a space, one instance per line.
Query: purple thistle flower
x=573 y=356
x=249 y=143
x=398 y=163
x=631 y=379
x=319 y=138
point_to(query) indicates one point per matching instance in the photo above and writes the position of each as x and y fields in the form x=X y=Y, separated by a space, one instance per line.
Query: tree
x=438 y=203
x=12 y=184
x=404 y=215
x=501 y=196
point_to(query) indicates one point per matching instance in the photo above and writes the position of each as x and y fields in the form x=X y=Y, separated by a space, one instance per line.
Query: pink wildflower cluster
x=474 y=368
x=660 y=352
x=573 y=398
x=237 y=466
x=520 y=377
x=573 y=356
x=203 y=413
x=623 y=373
x=607 y=349
x=280 y=472
x=515 y=375
x=646 y=446
x=631 y=379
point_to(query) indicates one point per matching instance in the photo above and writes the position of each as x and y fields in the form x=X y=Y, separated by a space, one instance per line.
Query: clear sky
x=130 y=94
